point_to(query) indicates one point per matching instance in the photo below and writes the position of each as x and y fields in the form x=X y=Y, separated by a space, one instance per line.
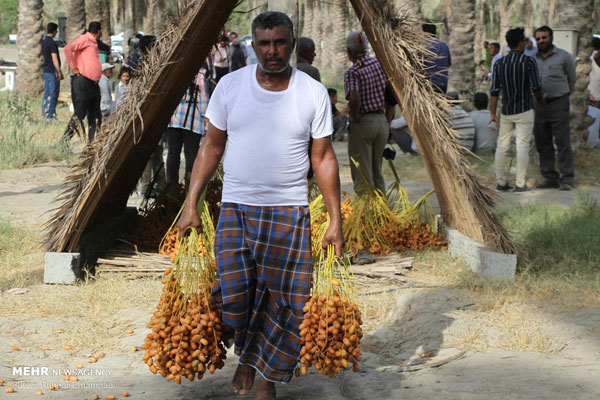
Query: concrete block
x=62 y=268
x=482 y=259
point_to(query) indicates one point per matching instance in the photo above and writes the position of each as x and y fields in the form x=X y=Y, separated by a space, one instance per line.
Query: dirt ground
x=421 y=323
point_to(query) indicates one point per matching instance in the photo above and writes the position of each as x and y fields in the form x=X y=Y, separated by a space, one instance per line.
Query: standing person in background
x=221 y=59
x=106 y=101
x=186 y=129
x=552 y=118
x=364 y=84
x=123 y=86
x=530 y=47
x=305 y=55
x=340 y=121
x=51 y=73
x=436 y=69
x=495 y=52
x=83 y=57
x=516 y=77
x=238 y=57
x=488 y=55
x=486 y=135
x=594 y=85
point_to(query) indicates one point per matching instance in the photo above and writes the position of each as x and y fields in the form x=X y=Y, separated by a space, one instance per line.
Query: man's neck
x=274 y=82
x=547 y=53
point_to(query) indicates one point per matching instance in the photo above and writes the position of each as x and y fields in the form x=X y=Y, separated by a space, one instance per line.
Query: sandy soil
x=427 y=323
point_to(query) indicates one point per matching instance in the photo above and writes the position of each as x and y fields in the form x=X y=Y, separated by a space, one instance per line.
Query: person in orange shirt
x=83 y=57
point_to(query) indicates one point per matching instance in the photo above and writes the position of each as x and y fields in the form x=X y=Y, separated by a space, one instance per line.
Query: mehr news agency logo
x=46 y=371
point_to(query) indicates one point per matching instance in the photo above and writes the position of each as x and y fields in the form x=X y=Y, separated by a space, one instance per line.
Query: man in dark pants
x=551 y=126
x=83 y=57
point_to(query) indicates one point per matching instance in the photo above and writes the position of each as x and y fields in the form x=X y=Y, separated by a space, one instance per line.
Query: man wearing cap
x=83 y=57
x=106 y=101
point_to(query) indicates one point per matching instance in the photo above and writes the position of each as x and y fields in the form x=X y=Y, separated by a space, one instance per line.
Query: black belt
x=551 y=99
x=374 y=112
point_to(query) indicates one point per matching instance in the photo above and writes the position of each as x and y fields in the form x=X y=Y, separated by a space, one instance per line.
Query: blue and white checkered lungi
x=263 y=257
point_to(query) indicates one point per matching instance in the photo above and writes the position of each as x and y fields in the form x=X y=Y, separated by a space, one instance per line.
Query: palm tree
x=308 y=28
x=29 y=77
x=462 y=37
x=338 y=38
x=317 y=34
x=75 y=19
x=106 y=22
x=93 y=11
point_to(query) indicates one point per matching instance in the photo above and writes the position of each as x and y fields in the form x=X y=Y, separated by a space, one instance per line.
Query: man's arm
x=207 y=160
x=58 y=74
x=494 y=93
x=493 y=106
x=571 y=72
x=597 y=58
x=354 y=106
x=74 y=47
x=326 y=171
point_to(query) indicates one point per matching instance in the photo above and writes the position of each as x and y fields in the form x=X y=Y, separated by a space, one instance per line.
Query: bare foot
x=265 y=390
x=243 y=379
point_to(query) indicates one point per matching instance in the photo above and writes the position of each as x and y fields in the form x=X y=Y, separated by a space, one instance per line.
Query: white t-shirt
x=266 y=160
x=594 y=85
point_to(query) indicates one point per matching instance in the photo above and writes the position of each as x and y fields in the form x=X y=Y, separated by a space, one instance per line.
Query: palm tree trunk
x=75 y=19
x=318 y=17
x=308 y=27
x=106 y=22
x=338 y=38
x=93 y=11
x=462 y=38
x=577 y=15
x=29 y=78
x=129 y=28
x=149 y=28
x=159 y=15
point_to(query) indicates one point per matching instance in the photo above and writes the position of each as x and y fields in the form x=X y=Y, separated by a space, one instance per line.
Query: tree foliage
x=9 y=17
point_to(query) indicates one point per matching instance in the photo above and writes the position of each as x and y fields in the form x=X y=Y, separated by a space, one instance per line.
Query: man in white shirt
x=106 y=100
x=265 y=115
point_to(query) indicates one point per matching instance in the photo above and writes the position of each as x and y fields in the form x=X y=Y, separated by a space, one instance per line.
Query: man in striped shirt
x=516 y=75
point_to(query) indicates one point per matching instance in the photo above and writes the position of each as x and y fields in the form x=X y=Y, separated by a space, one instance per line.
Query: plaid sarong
x=263 y=257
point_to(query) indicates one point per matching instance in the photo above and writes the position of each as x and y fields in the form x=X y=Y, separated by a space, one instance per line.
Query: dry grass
x=21 y=258
x=92 y=313
x=375 y=308
x=510 y=326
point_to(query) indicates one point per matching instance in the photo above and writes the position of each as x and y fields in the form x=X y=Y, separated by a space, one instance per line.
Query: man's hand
x=76 y=71
x=493 y=118
x=188 y=219
x=334 y=236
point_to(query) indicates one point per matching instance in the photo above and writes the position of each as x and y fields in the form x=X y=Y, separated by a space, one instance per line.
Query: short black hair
x=514 y=37
x=94 y=27
x=271 y=19
x=481 y=62
x=51 y=27
x=480 y=100
x=124 y=70
x=496 y=45
x=331 y=92
x=147 y=42
x=544 y=28
x=429 y=28
x=596 y=43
